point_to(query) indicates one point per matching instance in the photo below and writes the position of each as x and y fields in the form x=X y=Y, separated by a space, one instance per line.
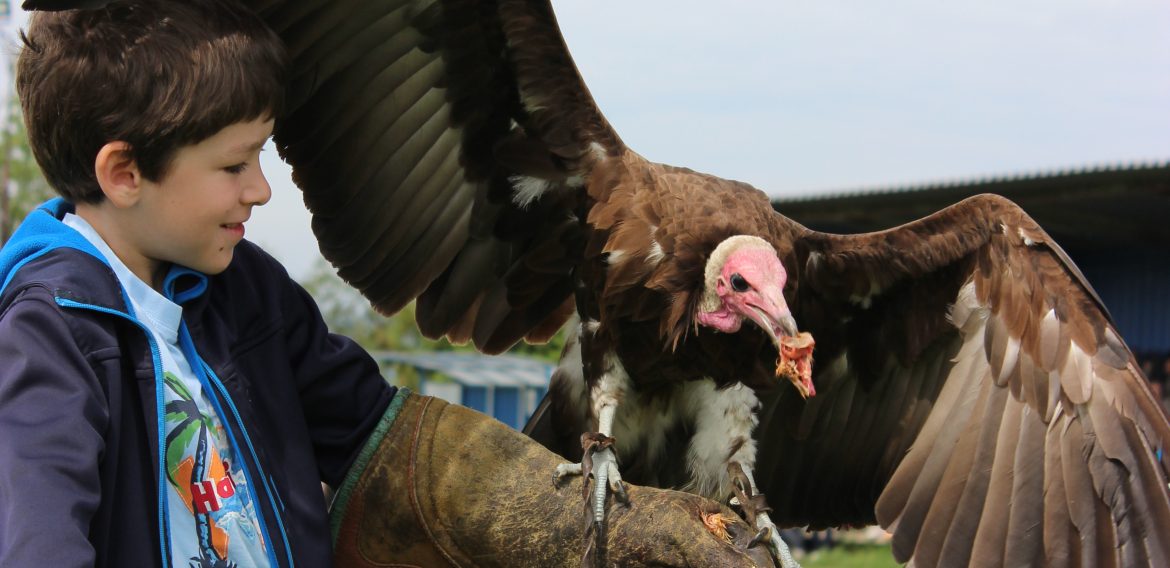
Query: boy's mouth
x=236 y=229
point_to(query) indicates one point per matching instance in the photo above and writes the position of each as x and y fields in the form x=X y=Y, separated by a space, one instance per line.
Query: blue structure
x=505 y=387
x=1134 y=283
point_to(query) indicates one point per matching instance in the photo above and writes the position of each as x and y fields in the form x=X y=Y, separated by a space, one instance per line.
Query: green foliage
x=23 y=187
x=349 y=314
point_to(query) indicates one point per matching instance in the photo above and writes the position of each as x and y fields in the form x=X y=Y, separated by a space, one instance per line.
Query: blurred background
x=853 y=116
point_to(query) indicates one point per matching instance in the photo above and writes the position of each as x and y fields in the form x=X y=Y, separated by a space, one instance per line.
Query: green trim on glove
x=337 y=509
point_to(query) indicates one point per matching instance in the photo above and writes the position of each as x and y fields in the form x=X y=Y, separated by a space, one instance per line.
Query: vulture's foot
x=600 y=463
x=769 y=535
x=755 y=510
x=612 y=475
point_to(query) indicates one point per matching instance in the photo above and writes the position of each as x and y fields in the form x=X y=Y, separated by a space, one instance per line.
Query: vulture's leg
x=599 y=459
x=756 y=509
x=722 y=454
x=604 y=463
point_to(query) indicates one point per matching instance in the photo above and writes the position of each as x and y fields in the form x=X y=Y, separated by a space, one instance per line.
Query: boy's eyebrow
x=247 y=148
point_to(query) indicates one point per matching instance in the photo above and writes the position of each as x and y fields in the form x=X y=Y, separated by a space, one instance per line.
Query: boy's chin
x=217 y=263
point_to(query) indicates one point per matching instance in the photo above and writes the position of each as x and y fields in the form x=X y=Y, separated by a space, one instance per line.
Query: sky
x=800 y=97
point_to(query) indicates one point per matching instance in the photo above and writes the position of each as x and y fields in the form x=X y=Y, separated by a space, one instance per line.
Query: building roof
x=473 y=369
x=1084 y=208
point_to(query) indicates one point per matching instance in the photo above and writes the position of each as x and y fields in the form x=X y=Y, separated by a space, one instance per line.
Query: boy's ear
x=117 y=174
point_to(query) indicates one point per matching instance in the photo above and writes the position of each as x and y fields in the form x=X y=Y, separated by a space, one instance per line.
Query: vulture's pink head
x=744 y=280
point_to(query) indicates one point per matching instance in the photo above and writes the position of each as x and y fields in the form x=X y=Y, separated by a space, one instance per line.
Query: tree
x=348 y=313
x=22 y=186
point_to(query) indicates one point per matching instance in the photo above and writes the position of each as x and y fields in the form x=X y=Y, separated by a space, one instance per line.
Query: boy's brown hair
x=158 y=75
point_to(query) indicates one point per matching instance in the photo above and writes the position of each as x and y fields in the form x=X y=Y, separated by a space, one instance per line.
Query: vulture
x=972 y=395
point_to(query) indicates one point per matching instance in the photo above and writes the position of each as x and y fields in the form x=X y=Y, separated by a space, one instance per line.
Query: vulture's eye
x=739 y=284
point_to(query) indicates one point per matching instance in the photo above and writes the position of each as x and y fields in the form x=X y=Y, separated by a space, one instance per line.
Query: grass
x=850 y=555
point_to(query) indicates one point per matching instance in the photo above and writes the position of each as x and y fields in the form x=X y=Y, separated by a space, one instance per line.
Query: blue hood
x=42 y=231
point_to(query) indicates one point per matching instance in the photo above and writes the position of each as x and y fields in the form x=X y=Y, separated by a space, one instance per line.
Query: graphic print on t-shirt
x=212 y=490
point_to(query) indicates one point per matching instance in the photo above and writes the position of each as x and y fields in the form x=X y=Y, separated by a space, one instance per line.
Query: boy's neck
x=115 y=229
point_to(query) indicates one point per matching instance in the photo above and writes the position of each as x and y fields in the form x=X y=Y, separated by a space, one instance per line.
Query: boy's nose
x=259 y=191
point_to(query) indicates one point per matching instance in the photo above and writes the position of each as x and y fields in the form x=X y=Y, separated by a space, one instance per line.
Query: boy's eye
x=236 y=169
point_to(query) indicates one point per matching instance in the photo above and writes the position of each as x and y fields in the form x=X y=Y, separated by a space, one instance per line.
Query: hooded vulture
x=972 y=395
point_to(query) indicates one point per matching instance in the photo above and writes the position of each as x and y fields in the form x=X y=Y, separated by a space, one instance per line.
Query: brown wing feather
x=408 y=125
x=973 y=398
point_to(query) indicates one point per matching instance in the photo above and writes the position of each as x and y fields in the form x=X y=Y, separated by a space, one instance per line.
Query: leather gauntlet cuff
x=340 y=503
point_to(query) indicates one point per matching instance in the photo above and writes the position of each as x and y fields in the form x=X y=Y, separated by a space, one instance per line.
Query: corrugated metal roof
x=1090 y=207
x=982 y=181
x=473 y=369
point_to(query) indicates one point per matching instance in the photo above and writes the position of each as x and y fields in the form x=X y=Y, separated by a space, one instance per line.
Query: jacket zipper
x=159 y=410
x=211 y=381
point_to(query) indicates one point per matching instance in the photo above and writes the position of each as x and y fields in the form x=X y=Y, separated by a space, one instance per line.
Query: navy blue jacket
x=79 y=460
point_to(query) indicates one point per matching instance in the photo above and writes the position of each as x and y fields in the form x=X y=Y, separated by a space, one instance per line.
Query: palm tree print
x=189 y=423
x=204 y=562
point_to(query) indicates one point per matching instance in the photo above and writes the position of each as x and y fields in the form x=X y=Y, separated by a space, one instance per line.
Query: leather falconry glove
x=440 y=485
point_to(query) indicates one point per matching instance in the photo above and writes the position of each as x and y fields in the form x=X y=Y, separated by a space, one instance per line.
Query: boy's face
x=194 y=216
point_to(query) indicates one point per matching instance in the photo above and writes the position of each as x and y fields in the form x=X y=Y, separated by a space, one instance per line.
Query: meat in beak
x=795 y=362
x=795 y=348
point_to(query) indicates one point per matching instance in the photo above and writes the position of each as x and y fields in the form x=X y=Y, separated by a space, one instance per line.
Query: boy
x=123 y=358
x=142 y=339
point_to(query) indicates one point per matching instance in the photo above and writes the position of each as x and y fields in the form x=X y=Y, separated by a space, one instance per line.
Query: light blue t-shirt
x=212 y=518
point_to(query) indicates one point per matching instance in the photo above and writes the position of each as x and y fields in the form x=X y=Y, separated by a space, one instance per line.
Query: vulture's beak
x=771 y=313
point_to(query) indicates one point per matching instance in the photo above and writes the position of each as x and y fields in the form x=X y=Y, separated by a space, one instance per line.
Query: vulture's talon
x=619 y=492
x=777 y=548
x=764 y=535
x=565 y=470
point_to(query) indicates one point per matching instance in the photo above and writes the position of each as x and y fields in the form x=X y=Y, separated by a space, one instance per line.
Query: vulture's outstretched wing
x=421 y=133
x=973 y=397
